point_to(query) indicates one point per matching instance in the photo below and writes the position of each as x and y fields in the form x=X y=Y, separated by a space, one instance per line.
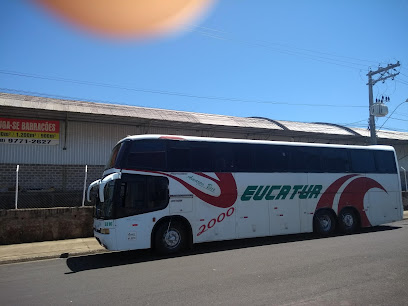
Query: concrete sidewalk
x=49 y=249
x=55 y=249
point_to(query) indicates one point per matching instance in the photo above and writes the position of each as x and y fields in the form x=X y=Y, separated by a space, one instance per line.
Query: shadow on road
x=112 y=259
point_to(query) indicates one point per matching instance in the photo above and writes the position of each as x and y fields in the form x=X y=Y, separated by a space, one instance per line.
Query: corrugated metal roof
x=384 y=134
x=314 y=128
x=178 y=118
x=93 y=108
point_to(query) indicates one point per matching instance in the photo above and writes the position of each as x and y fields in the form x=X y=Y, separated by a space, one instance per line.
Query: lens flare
x=128 y=18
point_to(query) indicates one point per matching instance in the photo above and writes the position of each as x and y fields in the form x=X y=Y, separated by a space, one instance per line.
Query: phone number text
x=27 y=141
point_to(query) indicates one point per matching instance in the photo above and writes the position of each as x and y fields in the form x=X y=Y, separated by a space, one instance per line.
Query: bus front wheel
x=170 y=237
x=324 y=223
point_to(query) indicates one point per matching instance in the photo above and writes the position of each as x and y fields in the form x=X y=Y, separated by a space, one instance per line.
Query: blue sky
x=286 y=60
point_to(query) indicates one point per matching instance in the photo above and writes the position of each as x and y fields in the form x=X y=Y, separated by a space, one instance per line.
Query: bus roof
x=268 y=142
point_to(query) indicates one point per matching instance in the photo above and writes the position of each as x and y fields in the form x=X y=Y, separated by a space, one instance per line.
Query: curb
x=54 y=256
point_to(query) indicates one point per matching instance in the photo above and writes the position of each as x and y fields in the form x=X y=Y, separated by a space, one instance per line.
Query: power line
x=353 y=123
x=295 y=53
x=47 y=95
x=171 y=93
x=401 y=82
x=330 y=60
x=389 y=128
x=390 y=116
x=357 y=124
x=393 y=118
x=288 y=52
x=401 y=114
x=293 y=47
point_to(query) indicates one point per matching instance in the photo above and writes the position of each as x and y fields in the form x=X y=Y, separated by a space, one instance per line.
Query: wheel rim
x=348 y=220
x=172 y=238
x=325 y=223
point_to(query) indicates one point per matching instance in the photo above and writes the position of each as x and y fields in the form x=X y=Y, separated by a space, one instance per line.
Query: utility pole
x=384 y=74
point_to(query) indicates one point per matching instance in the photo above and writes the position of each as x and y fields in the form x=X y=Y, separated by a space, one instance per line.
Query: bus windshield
x=104 y=210
x=114 y=155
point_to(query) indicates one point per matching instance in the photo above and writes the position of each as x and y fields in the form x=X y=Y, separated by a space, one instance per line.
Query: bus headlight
x=105 y=231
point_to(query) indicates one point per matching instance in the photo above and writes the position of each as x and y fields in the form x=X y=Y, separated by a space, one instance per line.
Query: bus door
x=141 y=199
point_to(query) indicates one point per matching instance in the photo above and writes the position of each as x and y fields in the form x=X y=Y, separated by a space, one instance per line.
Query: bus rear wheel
x=324 y=223
x=348 y=221
x=170 y=237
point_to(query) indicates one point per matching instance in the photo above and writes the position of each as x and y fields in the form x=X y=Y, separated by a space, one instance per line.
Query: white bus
x=168 y=192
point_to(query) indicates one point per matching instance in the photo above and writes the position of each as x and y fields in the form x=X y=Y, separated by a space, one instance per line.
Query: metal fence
x=49 y=194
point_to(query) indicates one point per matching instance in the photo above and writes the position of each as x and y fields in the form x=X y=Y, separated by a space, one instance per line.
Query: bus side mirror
x=107 y=179
x=92 y=185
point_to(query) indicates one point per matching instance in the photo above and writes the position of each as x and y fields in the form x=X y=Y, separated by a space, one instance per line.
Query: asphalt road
x=361 y=269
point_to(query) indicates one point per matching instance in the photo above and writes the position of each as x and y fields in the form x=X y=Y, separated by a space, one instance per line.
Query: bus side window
x=271 y=159
x=141 y=194
x=158 y=192
x=312 y=159
x=178 y=159
x=223 y=156
x=132 y=198
x=146 y=155
x=298 y=159
x=335 y=160
x=242 y=157
x=385 y=162
x=362 y=161
x=201 y=158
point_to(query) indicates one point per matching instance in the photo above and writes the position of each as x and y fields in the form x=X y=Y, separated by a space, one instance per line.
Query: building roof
x=13 y=105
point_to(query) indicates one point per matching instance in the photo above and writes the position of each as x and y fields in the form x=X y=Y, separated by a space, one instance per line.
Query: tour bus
x=169 y=192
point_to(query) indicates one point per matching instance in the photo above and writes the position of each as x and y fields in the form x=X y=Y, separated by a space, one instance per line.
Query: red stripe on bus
x=171 y=137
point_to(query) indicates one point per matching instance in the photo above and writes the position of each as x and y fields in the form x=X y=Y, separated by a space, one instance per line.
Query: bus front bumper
x=106 y=239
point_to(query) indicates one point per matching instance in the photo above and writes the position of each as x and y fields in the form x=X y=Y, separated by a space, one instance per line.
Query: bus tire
x=324 y=222
x=170 y=237
x=348 y=221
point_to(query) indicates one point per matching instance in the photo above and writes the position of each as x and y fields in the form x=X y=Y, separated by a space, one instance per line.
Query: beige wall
x=30 y=225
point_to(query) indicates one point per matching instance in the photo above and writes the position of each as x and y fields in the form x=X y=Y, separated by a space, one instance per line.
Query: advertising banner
x=29 y=132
